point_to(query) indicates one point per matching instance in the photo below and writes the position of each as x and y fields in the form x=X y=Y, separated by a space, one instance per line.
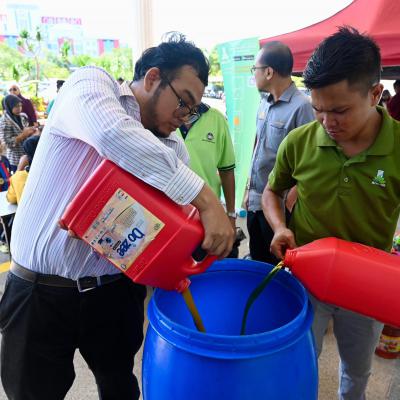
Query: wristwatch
x=231 y=214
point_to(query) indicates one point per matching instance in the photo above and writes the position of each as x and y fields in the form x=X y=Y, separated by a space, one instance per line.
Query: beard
x=153 y=116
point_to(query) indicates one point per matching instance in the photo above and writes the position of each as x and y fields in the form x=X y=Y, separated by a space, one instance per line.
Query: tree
x=10 y=61
x=82 y=59
x=215 y=66
x=15 y=66
x=15 y=73
x=118 y=63
x=32 y=47
x=64 y=51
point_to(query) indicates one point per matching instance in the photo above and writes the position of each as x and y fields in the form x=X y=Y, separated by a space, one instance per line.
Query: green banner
x=242 y=99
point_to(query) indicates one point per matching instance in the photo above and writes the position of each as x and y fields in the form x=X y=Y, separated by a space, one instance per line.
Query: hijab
x=9 y=102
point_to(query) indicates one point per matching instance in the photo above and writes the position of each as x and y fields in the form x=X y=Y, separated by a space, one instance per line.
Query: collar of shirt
x=382 y=145
x=126 y=92
x=202 y=109
x=286 y=95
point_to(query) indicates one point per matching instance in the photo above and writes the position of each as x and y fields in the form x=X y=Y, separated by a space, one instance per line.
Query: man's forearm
x=218 y=230
x=205 y=199
x=228 y=186
x=272 y=205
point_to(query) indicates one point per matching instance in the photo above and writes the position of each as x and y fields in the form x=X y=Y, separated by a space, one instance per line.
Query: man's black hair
x=59 y=83
x=170 y=55
x=396 y=83
x=277 y=56
x=345 y=55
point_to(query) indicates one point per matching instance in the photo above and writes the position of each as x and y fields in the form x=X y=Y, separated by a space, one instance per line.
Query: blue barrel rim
x=234 y=346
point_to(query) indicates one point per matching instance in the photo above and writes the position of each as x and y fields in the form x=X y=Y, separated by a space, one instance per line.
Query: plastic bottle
x=350 y=275
x=242 y=213
x=389 y=343
x=153 y=240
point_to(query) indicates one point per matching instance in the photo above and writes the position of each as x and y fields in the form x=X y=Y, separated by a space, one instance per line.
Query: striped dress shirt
x=93 y=118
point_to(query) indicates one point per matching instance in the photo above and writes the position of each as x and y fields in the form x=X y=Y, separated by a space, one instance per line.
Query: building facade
x=55 y=30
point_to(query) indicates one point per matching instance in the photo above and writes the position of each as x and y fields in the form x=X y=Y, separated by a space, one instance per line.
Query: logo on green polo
x=379 y=179
x=209 y=137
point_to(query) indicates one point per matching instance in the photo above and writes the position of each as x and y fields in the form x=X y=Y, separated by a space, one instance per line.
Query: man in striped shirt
x=45 y=313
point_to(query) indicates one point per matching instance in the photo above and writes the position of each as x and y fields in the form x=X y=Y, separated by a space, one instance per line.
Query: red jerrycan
x=350 y=275
x=153 y=240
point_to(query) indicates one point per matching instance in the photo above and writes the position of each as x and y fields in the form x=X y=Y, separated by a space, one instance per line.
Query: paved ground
x=384 y=383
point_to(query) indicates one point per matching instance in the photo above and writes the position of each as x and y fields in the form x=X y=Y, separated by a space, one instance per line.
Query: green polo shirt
x=210 y=148
x=356 y=198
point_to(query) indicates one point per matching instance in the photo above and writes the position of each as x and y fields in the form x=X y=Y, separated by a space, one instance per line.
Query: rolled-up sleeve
x=97 y=117
x=280 y=178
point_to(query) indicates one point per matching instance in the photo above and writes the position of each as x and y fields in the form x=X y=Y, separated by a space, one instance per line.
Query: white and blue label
x=123 y=229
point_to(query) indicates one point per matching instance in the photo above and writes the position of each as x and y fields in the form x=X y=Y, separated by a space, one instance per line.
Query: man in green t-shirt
x=212 y=157
x=346 y=166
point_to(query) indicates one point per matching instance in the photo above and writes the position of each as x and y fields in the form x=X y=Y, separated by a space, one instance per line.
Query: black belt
x=82 y=284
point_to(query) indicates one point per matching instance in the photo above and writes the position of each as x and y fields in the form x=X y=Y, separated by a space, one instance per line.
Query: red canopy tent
x=378 y=18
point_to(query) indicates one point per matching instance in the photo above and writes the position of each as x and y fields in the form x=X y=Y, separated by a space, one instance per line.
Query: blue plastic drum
x=275 y=360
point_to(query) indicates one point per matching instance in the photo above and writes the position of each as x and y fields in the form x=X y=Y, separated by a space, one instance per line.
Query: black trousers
x=260 y=237
x=42 y=326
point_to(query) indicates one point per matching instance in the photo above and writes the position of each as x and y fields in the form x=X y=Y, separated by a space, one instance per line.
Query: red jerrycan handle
x=200 y=261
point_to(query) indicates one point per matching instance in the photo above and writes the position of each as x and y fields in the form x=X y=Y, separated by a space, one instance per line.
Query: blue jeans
x=357 y=337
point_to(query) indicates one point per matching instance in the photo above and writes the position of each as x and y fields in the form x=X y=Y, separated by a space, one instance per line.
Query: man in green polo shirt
x=212 y=157
x=346 y=166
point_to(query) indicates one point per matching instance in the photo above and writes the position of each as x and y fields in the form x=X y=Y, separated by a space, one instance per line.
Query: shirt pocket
x=276 y=133
x=260 y=125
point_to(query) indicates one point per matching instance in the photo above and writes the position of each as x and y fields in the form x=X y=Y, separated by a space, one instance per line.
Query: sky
x=206 y=22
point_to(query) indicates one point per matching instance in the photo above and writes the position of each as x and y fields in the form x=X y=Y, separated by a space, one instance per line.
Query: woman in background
x=27 y=106
x=14 y=129
x=18 y=180
x=386 y=96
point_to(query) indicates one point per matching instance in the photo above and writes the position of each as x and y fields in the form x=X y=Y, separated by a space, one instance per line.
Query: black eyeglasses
x=13 y=90
x=184 y=110
x=254 y=68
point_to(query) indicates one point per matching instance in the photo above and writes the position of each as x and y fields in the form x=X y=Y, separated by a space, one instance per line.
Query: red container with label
x=350 y=275
x=138 y=228
x=389 y=343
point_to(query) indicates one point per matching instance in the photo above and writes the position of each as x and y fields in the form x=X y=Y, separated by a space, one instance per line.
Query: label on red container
x=123 y=229
x=389 y=344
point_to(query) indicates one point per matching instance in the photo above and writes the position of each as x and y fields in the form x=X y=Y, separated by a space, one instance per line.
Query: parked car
x=213 y=91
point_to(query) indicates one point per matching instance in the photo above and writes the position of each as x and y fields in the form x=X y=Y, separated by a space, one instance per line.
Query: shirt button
x=346 y=179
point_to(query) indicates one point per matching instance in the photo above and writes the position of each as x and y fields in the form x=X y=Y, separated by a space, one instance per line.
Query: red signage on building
x=61 y=20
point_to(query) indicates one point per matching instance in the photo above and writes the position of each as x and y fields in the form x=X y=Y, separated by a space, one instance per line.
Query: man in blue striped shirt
x=45 y=313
